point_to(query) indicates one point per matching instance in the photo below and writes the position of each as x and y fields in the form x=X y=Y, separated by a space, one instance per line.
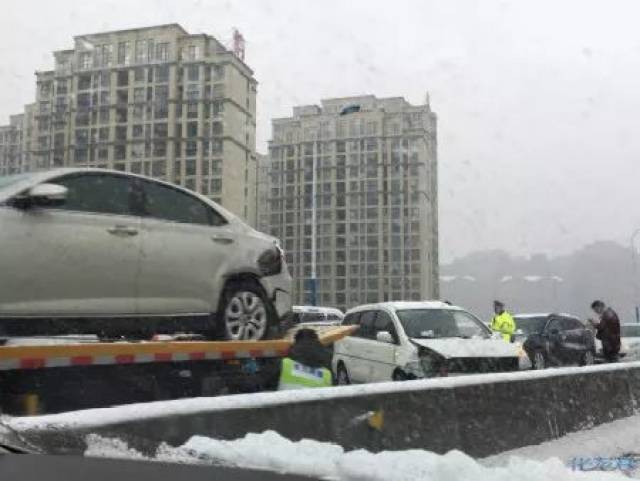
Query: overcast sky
x=538 y=101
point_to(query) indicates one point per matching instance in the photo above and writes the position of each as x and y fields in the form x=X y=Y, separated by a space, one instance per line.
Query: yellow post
x=30 y=404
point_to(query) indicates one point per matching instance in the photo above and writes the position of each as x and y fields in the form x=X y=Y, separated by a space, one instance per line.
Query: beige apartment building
x=373 y=229
x=156 y=101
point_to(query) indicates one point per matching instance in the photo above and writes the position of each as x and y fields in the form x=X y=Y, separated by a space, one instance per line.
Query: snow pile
x=270 y=451
x=113 y=448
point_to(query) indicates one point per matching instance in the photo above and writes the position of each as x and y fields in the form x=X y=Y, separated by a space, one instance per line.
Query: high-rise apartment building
x=15 y=142
x=157 y=101
x=373 y=228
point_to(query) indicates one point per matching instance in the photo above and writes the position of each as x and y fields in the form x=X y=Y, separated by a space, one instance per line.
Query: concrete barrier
x=480 y=415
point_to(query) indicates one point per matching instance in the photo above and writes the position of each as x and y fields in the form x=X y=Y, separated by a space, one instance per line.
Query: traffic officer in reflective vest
x=502 y=322
x=307 y=365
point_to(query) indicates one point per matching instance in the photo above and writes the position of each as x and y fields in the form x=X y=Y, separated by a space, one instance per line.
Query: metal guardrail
x=479 y=414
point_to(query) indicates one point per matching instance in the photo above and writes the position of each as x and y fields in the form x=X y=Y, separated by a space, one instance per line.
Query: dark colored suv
x=554 y=340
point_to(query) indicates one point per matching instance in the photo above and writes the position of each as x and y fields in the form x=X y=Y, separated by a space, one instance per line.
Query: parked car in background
x=554 y=340
x=313 y=315
x=110 y=253
x=411 y=340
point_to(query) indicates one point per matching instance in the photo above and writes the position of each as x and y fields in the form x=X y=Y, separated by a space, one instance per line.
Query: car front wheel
x=538 y=360
x=342 y=376
x=244 y=313
x=588 y=358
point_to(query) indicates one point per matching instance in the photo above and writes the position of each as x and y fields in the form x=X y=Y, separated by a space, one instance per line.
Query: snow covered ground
x=269 y=451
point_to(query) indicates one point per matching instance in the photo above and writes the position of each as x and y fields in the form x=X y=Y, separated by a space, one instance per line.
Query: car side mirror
x=554 y=332
x=384 y=336
x=46 y=195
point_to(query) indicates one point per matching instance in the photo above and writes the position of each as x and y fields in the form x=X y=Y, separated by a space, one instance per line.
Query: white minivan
x=411 y=340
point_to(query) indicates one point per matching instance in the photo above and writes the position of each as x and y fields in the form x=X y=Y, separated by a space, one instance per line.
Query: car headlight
x=270 y=262
x=414 y=368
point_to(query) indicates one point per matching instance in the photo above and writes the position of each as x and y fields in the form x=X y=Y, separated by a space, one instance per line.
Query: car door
x=574 y=339
x=552 y=339
x=185 y=248
x=383 y=354
x=78 y=259
x=359 y=348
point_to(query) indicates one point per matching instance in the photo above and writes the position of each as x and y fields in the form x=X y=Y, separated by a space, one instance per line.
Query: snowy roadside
x=270 y=451
x=610 y=440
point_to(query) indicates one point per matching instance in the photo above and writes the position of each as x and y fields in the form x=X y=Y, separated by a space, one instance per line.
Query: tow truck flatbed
x=36 y=379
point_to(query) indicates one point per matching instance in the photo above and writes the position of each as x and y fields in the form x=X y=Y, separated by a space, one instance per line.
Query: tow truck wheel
x=244 y=312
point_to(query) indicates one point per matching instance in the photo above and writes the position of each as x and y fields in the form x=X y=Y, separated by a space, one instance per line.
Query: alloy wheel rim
x=245 y=317
x=588 y=358
x=342 y=377
x=539 y=360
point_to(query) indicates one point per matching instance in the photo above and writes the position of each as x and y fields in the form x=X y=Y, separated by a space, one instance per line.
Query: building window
x=160 y=131
x=192 y=129
x=141 y=51
x=121 y=115
x=162 y=52
x=162 y=74
x=158 y=168
x=103 y=54
x=103 y=134
x=84 y=60
x=139 y=95
x=84 y=82
x=138 y=75
x=120 y=152
x=218 y=72
x=192 y=149
x=159 y=148
x=190 y=52
x=193 y=73
x=105 y=115
x=150 y=50
x=123 y=78
x=124 y=53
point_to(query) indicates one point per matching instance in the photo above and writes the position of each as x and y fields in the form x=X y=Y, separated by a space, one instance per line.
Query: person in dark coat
x=607 y=330
x=308 y=350
x=307 y=365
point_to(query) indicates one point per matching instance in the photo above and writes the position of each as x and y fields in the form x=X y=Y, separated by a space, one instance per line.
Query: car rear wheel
x=342 y=376
x=588 y=359
x=539 y=360
x=244 y=313
x=399 y=376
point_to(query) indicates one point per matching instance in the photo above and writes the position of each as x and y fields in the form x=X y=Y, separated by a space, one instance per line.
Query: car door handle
x=122 y=231
x=220 y=239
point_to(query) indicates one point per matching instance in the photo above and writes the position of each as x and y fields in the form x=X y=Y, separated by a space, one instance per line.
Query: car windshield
x=630 y=331
x=530 y=325
x=440 y=323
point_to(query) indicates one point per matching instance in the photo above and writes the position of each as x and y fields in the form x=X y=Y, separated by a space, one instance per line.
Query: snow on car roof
x=399 y=305
x=325 y=310
x=544 y=314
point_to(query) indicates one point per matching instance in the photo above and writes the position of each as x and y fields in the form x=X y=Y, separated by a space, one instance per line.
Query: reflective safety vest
x=504 y=324
x=295 y=375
